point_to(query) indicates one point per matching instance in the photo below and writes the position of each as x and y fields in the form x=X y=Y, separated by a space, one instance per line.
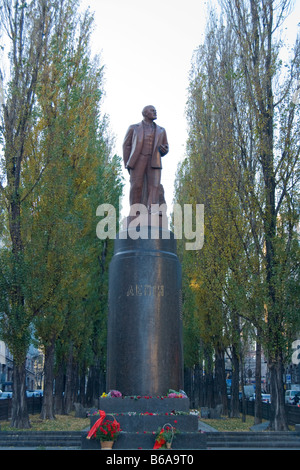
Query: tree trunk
x=20 y=418
x=75 y=384
x=48 y=400
x=242 y=387
x=278 y=420
x=82 y=399
x=198 y=373
x=234 y=409
x=258 y=404
x=59 y=390
x=96 y=385
x=19 y=340
x=68 y=385
x=209 y=381
x=221 y=388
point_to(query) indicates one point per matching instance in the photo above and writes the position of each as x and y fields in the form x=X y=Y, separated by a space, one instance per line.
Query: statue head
x=149 y=113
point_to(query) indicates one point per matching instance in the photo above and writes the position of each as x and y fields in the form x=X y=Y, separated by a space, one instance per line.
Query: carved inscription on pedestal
x=146 y=290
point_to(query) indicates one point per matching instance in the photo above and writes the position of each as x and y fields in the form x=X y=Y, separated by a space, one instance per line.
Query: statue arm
x=164 y=146
x=127 y=145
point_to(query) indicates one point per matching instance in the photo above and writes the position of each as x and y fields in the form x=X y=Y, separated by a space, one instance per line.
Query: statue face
x=150 y=113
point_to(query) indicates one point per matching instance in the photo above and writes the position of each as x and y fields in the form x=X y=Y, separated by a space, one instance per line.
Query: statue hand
x=163 y=149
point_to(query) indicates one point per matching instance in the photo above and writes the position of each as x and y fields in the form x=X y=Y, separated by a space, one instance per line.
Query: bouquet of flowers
x=165 y=436
x=108 y=430
x=104 y=429
x=114 y=394
x=174 y=394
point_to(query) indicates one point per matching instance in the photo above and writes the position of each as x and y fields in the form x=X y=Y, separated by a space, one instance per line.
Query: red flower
x=105 y=427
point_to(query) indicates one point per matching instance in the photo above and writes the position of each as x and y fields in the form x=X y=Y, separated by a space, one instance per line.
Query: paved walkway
x=260 y=427
x=205 y=427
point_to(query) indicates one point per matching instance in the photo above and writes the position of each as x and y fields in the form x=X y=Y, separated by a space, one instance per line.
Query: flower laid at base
x=165 y=436
x=112 y=394
x=143 y=413
x=104 y=430
x=180 y=394
x=171 y=394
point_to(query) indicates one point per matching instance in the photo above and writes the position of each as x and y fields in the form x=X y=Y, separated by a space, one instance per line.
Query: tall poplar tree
x=28 y=27
x=57 y=155
x=256 y=24
x=243 y=148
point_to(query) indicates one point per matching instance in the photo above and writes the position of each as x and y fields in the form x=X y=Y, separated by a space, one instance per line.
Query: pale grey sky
x=146 y=48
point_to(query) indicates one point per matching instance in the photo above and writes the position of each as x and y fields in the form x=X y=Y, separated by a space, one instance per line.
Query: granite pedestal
x=144 y=338
x=140 y=419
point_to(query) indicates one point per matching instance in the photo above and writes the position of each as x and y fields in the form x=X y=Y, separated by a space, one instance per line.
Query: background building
x=34 y=368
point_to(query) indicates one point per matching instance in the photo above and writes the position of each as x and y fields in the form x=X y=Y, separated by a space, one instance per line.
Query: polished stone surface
x=142 y=405
x=145 y=441
x=144 y=323
x=150 y=423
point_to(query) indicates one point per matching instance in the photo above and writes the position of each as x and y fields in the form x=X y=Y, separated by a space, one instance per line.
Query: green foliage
x=242 y=157
x=56 y=286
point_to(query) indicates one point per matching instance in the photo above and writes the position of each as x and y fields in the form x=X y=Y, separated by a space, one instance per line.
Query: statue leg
x=137 y=180
x=153 y=179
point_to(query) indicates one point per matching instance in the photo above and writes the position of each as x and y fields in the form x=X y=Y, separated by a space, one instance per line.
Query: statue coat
x=133 y=144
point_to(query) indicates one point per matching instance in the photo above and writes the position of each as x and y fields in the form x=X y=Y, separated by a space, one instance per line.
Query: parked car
x=265 y=398
x=5 y=395
x=38 y=393
x=290 y=396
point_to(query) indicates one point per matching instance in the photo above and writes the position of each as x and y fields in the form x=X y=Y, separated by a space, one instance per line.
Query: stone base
x=151 y=423
x=140 y=419
x=141 y=441
x=141 y=405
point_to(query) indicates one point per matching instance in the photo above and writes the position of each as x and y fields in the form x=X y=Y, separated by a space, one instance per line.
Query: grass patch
x=231 y=424
x=70 y=423
x=61 y=423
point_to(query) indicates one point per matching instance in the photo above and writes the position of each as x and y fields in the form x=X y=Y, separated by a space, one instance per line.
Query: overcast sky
x=146 y=49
